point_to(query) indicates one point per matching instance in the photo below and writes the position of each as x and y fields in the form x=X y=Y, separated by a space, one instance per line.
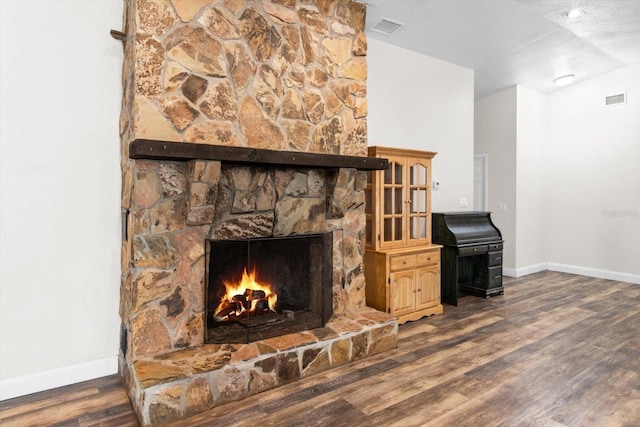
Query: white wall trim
x=52 y=378
x=573 y=269
x=485 y=179
x=594 y=272
x=519 y=272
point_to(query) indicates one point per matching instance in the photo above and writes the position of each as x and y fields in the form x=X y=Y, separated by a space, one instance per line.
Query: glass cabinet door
x=418 y=201
x=393 y=203
x=398 y=205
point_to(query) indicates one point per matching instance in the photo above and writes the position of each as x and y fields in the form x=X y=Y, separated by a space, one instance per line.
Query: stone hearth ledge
x=173 y=385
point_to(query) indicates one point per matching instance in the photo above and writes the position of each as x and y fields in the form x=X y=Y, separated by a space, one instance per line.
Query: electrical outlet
x=502 y=206
x=463 y=202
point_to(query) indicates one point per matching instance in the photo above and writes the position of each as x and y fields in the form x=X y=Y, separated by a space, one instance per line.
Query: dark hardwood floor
x=556 y=350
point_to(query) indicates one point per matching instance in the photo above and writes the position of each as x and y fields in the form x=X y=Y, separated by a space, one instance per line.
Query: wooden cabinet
x=398 y=208
x=402 y=266
x=404 y=282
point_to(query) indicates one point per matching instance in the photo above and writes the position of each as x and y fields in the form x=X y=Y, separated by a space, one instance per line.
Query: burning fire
x=246 y=299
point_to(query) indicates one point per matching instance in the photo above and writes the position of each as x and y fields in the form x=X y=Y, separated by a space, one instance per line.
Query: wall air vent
x=615 y=99
x=386 y=27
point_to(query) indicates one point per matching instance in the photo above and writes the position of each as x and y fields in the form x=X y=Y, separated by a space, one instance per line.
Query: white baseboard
x=594 y=272
x=572 y=269
x=52 y=378
x=519 y=272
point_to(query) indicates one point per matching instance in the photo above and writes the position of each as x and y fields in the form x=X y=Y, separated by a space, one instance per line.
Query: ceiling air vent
x=386 y=27
x=615 y=99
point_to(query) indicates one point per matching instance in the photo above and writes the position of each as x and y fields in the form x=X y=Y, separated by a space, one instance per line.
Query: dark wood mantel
x=184 y=151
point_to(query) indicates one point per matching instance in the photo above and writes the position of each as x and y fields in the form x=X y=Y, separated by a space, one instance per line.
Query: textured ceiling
x=509 y=42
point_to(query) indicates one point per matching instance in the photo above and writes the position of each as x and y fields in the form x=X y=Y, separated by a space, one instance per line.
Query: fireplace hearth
x=262 y=288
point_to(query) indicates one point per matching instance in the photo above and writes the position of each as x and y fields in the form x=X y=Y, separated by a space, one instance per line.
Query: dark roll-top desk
x=471 y=259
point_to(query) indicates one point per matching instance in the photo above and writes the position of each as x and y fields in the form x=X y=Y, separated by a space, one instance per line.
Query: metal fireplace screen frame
x=300 y=268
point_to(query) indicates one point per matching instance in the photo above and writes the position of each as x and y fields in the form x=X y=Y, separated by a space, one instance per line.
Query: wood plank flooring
x=556 y=350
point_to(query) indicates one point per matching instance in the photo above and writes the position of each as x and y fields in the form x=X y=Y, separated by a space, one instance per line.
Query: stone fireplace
x=243 y=123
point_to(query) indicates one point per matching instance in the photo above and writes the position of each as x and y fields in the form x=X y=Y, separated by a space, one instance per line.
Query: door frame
x=485 y=179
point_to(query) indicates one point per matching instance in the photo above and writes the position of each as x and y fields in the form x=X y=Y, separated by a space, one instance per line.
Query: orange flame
x=247 y=286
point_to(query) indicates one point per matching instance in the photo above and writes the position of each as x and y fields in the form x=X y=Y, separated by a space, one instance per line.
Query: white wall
x=592 y=191
x=423 y=103
x=531 y=136
x=496 y=135
x=567 y=169
x=60 y=79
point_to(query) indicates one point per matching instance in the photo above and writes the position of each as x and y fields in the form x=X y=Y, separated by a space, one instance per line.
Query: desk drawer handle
x=497 y=277
x=497 y=258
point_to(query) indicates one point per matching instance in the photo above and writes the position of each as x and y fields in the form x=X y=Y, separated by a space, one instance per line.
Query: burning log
x=229 y=309
x=262 y=304
x=241 y=300
x=256 y=294
x=246 y=299
x=225 y=308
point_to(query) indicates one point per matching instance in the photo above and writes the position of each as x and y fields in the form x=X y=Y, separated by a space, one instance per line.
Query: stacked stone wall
x=282 y=74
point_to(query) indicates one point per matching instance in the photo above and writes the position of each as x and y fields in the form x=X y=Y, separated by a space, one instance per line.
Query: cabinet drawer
x=473 y=250
x=495 y=277
x=495 y=247
x=432 y=257
x=402 y=262
x=495 y=258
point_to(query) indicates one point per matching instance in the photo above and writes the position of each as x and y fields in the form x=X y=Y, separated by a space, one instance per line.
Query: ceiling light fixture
x=564 y=80
x=574 y=13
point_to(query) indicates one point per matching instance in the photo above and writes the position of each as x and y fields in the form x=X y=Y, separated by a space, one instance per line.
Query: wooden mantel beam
x=183 y=151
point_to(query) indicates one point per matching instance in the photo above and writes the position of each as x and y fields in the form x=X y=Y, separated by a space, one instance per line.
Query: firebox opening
x=261 y=288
